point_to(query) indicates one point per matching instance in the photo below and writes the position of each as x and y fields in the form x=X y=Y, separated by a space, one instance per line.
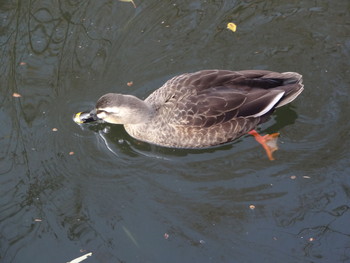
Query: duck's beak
x=85 y=116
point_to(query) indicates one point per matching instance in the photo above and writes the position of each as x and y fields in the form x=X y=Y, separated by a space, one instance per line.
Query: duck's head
x=117 y=109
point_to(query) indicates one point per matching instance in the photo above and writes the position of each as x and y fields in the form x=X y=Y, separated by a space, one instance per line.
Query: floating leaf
x=232 y=27
x=130 y=83
x=131 y=1
x=16 y=95
x=80 y=259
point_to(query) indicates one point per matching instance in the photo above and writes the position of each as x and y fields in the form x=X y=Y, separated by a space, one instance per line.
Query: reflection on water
x=67 y=190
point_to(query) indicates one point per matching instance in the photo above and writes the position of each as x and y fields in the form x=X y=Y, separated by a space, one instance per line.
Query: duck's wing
x=210 y=97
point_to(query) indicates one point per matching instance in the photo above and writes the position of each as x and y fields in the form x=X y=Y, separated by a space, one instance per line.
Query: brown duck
x=200 y=109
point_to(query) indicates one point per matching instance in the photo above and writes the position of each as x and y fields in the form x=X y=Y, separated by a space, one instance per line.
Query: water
x=75 y=190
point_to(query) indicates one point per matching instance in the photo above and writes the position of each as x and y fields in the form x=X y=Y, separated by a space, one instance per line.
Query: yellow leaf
x=232 y=27
x=16 y=95
x=131 y=1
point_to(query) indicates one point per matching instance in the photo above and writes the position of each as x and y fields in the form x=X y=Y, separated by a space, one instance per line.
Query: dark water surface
x=76 y=190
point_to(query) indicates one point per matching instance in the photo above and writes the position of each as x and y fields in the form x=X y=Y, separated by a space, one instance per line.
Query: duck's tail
x=292 y=87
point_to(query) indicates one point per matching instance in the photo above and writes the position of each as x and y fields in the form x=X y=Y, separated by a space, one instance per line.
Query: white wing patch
x=272 y=103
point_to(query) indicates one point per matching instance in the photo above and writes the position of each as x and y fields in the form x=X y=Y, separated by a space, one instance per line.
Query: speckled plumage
x=211 y=107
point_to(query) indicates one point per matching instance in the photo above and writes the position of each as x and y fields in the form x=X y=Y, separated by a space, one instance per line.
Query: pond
x=68 y=190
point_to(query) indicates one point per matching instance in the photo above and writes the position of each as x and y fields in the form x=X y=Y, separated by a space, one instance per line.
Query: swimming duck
x=200 y=109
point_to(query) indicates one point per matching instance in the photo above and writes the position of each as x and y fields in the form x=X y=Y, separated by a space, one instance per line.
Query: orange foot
x=269 y=142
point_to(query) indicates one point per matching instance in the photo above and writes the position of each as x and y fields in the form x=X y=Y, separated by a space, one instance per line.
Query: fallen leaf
x=54 y=129
x=166 y=235
x=130 y=83
x=71 y=153
x=16 y=95
x=131 y=1
x=22 y=63
x=232 y=27
x=37 y=220
x=252 y=207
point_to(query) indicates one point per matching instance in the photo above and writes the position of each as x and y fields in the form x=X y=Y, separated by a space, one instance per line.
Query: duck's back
x=211 y=107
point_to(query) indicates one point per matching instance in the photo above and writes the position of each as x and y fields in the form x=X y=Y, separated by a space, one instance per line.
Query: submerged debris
x=131 y=1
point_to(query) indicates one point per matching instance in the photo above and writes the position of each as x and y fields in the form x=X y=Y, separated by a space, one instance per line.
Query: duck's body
x=202 y=109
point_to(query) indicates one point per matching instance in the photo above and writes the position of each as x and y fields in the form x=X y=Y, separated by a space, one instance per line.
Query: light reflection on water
x=82 y=189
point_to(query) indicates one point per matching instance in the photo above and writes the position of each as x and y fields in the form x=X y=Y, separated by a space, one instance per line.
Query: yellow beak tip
x=76 y=118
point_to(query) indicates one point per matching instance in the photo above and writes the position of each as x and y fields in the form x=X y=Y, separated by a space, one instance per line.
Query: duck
x=200 y=109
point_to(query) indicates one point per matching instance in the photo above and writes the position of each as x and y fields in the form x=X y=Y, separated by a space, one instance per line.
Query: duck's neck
x=137 y=111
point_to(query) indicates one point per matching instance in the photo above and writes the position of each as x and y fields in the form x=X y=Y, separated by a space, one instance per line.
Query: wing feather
x=211 y=97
